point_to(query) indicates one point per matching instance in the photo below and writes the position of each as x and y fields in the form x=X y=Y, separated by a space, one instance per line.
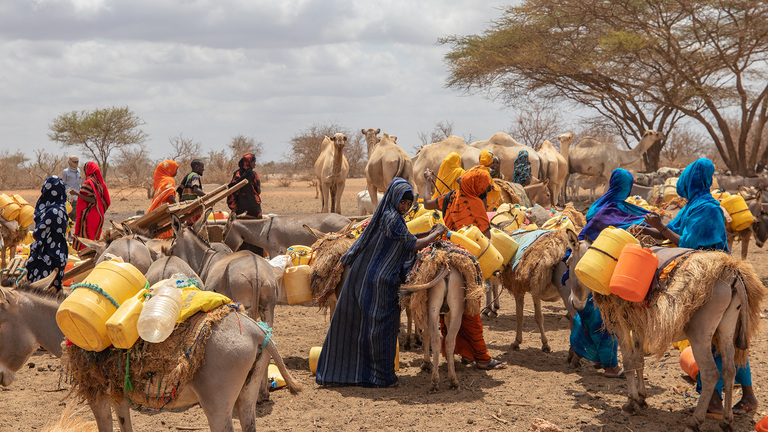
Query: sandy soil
x=535 y=385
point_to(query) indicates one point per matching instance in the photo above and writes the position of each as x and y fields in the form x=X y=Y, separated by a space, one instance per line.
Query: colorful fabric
x=465 y=206
x=448 y=175
x=589 y=340
x=90 y=216
x=359 y=348
x=700 y=223
x=188 y=184
x=49 y=250
x=522 y=168
x=611 y=209
x=164 y=184
x=247 y=199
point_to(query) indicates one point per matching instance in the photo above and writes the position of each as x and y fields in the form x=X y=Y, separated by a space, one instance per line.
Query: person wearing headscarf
x=246 y=200
x=448 y=175
x=464 y=207
x=522 y=169
x=164 y=184
x=92 y=203
x=49 y=251
x=611 y=209
x=359 y=348
x=700 y=224
x=72 y=180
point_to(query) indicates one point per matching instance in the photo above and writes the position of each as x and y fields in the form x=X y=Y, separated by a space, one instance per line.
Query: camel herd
x=589 y=163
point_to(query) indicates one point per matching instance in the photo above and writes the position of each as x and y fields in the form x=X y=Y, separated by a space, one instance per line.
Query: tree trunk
x=651 y=157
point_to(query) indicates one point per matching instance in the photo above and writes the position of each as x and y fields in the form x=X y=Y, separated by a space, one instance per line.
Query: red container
x=634 y=273
x=688 y=363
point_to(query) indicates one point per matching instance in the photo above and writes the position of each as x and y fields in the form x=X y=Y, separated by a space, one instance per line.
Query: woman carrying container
x=49 y=250
x=359 y=348
x=164 y=184
x=92 y=203
x=700 y=224
x=461 y=208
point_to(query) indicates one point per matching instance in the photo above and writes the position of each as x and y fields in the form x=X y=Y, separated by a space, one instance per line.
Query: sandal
x=742 y=408
x=492 y=365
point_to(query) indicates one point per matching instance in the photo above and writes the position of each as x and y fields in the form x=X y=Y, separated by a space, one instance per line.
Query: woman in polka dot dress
x=49 y=251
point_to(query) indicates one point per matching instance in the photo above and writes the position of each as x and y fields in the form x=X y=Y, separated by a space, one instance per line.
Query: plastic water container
x=633 y=273
x=26 y=215
x=121 y=326
x=300 y=254
x=83 y=315
x=296 y=280
x=596 y=267
x=688 y=363
x=505 y=244
x=159 y=315
x=741 y=217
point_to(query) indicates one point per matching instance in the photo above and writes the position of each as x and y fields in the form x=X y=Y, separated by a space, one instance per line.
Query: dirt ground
x=535 y=385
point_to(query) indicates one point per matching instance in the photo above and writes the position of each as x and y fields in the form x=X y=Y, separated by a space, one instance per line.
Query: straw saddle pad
x=429 y=262
x=149 y=375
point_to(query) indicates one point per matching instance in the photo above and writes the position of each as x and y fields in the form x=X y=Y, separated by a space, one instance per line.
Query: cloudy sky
x=213 y=69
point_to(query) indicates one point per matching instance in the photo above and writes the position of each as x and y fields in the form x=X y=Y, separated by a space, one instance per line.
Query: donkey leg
x=540 y=321
x=519 y=304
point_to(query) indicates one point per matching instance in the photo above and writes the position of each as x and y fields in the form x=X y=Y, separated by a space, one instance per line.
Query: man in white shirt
x=72 y=180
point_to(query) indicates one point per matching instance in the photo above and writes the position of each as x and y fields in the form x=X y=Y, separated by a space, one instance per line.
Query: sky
x=213 y=69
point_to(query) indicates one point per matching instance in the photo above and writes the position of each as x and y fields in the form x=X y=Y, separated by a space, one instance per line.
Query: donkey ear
x=176 y=225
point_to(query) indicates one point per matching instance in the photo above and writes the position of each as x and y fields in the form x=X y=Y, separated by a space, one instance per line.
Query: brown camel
x=331 y=169
x=385 y=162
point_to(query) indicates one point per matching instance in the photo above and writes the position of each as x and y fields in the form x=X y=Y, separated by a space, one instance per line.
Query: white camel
x=386 y=160
x=331 y=169
x=591 y=157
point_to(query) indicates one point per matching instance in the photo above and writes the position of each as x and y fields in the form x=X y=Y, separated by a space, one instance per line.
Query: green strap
x=94 y=287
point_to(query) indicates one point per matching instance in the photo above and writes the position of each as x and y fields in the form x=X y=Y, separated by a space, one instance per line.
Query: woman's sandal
x=492 y=365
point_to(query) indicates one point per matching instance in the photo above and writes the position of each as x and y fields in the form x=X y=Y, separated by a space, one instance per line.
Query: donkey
x=242 y=276
x=229 y=378
x=719 y=303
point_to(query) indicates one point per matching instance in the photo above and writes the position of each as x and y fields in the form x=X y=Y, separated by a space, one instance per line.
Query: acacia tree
x=641 y=64
x=98 y=132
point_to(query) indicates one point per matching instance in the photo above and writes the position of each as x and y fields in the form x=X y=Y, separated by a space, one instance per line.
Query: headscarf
x=619 y=188
x=700 y=223
x=465 y=206
x=486 y=158
x=611 y=209
x=522 y=168
x=164 y=184
x=449 y=173
x=73 y=161
x=245 y=171
x=386 y=219
x=93 y=173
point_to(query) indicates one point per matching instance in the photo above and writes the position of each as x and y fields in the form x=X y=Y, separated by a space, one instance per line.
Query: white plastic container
x=159 y=315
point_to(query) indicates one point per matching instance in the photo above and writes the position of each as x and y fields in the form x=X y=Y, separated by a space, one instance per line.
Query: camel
x=386 y=162
x=566 y=140
x=554 y=167
x=331 y=169
x=506 y=149
x=591 y=157
x=431 y=156
x=229 y=379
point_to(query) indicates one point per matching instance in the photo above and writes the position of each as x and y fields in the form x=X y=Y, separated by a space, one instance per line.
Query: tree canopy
x=98 y=132
x=642 y=64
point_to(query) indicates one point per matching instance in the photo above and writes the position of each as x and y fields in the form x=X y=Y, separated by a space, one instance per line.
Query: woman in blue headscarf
x=49 y=250
x=700 y=224
x=359 y=348
x=611 y=209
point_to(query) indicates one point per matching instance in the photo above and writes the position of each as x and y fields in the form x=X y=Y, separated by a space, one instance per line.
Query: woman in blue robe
x=700 y=224
x=359 y=348
x=49 y=250
x=611 y=209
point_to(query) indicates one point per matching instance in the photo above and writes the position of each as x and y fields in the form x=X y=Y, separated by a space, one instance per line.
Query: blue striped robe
x=359 y=348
